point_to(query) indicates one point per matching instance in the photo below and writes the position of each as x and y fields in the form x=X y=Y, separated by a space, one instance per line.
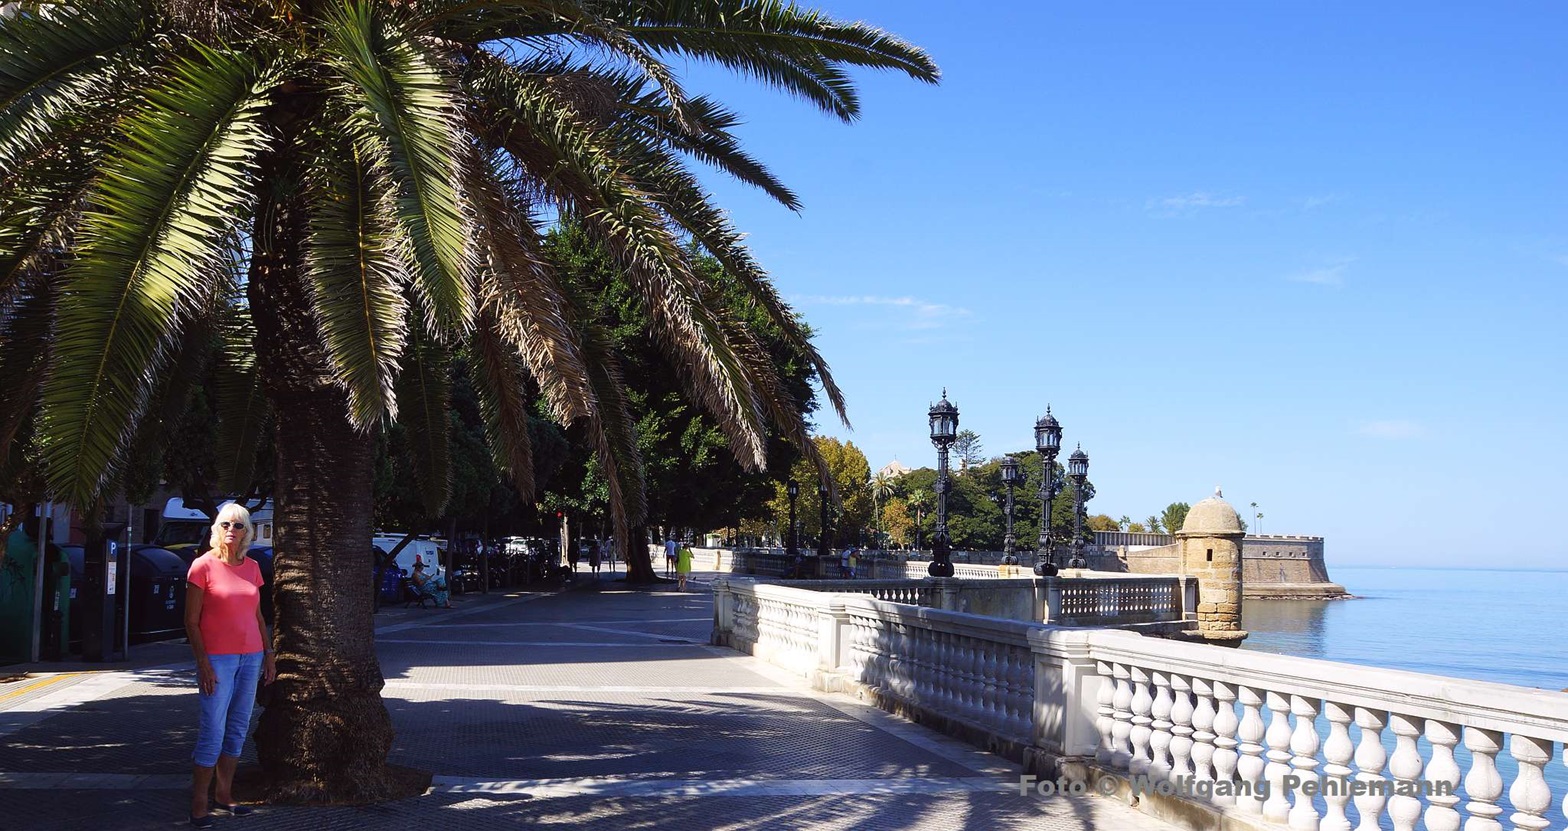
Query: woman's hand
x=206 y=678
x=269 y=668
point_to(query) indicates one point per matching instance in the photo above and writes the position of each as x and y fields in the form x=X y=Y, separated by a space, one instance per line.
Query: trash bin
x=57 y=605
x=262 y=554
x=157 y=594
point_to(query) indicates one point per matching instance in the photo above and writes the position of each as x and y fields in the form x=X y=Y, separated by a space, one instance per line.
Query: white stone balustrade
x=1374 y=742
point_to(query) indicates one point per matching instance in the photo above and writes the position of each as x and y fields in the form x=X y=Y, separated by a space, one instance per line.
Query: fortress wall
x=1272 y=565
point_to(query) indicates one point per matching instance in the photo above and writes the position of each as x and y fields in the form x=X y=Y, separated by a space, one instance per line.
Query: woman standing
x=233 y=652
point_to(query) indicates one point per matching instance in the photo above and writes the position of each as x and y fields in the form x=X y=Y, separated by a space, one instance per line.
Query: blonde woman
x=233 y=651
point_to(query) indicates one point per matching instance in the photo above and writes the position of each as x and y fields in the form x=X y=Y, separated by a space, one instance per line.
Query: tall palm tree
x=881 y=489
x=329 y=197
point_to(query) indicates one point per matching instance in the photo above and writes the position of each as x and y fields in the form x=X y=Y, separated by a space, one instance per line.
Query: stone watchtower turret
x=1210 y=546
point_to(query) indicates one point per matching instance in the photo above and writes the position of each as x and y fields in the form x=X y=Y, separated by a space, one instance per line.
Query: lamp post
x=1009 y=478
x=824 y=544
x=1078 y=471
x=793 y=489
x=1047 y=442
x=944 y=430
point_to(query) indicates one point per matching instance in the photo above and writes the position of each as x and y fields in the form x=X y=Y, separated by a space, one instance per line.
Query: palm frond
x=177 y=181
x=614 y=434
x=578 y=162
x=798 y=50
x=712 y=143
x=54 y=66
x=424 y=388
x=688 y=205
x=26 y=325
x=592 y=25
x=527 y=302
x=406 y=110
x=357 y=263
x=499 y=379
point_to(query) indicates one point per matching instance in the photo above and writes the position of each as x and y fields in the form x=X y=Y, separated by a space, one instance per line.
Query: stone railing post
x=832 y=634
x=947 y=592
x=1189 y=598
x=723 y=612
x=1068 y=694
x=1483 y=784
x=1053 y=601
x=1530 y=793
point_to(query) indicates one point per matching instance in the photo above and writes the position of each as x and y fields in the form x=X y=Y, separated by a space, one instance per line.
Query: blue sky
x=1316 y=253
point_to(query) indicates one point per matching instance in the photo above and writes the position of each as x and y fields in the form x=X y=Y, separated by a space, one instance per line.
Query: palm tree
x=920 y=500
x=881 y=489
x=327 y=199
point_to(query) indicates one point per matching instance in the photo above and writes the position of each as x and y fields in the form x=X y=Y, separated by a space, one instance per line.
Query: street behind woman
x=233 y=653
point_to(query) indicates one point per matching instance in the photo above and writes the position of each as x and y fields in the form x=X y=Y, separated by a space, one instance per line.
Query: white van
x=184 y=527
x=425 y=549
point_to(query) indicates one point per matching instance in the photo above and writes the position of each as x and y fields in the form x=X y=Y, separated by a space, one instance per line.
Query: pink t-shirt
x=230 y=597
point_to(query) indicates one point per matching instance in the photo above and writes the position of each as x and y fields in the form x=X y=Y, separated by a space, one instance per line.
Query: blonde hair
x=231 y=512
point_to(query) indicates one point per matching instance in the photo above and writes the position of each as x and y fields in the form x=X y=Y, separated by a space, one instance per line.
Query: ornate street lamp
x=824 y=543
x=793 y=489
x=1048 y=442
x=944 y=431
x=1078 y=471
x=1009 y=478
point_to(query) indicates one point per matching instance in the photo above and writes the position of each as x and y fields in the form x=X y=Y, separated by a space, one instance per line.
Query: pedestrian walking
x=682 y=567
x=671 y=549
x=593 y=557
x=233 y=653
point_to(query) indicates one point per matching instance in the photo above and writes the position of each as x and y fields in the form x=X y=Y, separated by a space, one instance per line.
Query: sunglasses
x=227 y=525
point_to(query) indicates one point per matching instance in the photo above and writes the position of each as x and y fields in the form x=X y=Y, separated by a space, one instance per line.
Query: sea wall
x=1273 y=566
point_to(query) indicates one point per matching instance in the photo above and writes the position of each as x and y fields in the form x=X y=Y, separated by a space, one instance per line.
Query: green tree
x=347 y=190
x=693 y=480
x=1155 y=524
x=898 y=522
x=1103 y=522
x=849 y=503
x=968 y=450
x=1173 y=516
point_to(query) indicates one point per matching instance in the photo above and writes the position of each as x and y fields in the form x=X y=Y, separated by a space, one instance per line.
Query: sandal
x=235 y=810
x=201 y=822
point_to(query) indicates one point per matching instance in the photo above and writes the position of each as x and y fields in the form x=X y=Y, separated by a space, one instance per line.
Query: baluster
x=1405 y=765
x=1483 y=784
x=1226 y=732
x=1339 y=751
x=1250 y=765
x=1369 y=767
x=1105 y=698
x=1277 y=807
x=1203 y=731
x=1442 y=769
x=1530 y=794
x=1181 y=728
x=1304 y=760
x=1142 y=705
x=1122 y=730
x=1160 y=724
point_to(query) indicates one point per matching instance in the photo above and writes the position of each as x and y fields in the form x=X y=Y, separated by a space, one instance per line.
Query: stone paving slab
x=601 y=709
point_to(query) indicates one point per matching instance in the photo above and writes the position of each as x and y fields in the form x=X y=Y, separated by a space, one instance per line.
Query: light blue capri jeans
x=225 y=715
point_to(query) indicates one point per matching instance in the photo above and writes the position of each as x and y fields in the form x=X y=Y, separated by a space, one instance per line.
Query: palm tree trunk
x=324 y=734
x=639 y=563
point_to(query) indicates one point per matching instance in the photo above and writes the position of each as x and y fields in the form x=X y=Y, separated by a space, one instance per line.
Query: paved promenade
x=597 y=708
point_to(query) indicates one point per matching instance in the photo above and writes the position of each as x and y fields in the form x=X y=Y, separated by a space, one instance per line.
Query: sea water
x=1510 y=627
